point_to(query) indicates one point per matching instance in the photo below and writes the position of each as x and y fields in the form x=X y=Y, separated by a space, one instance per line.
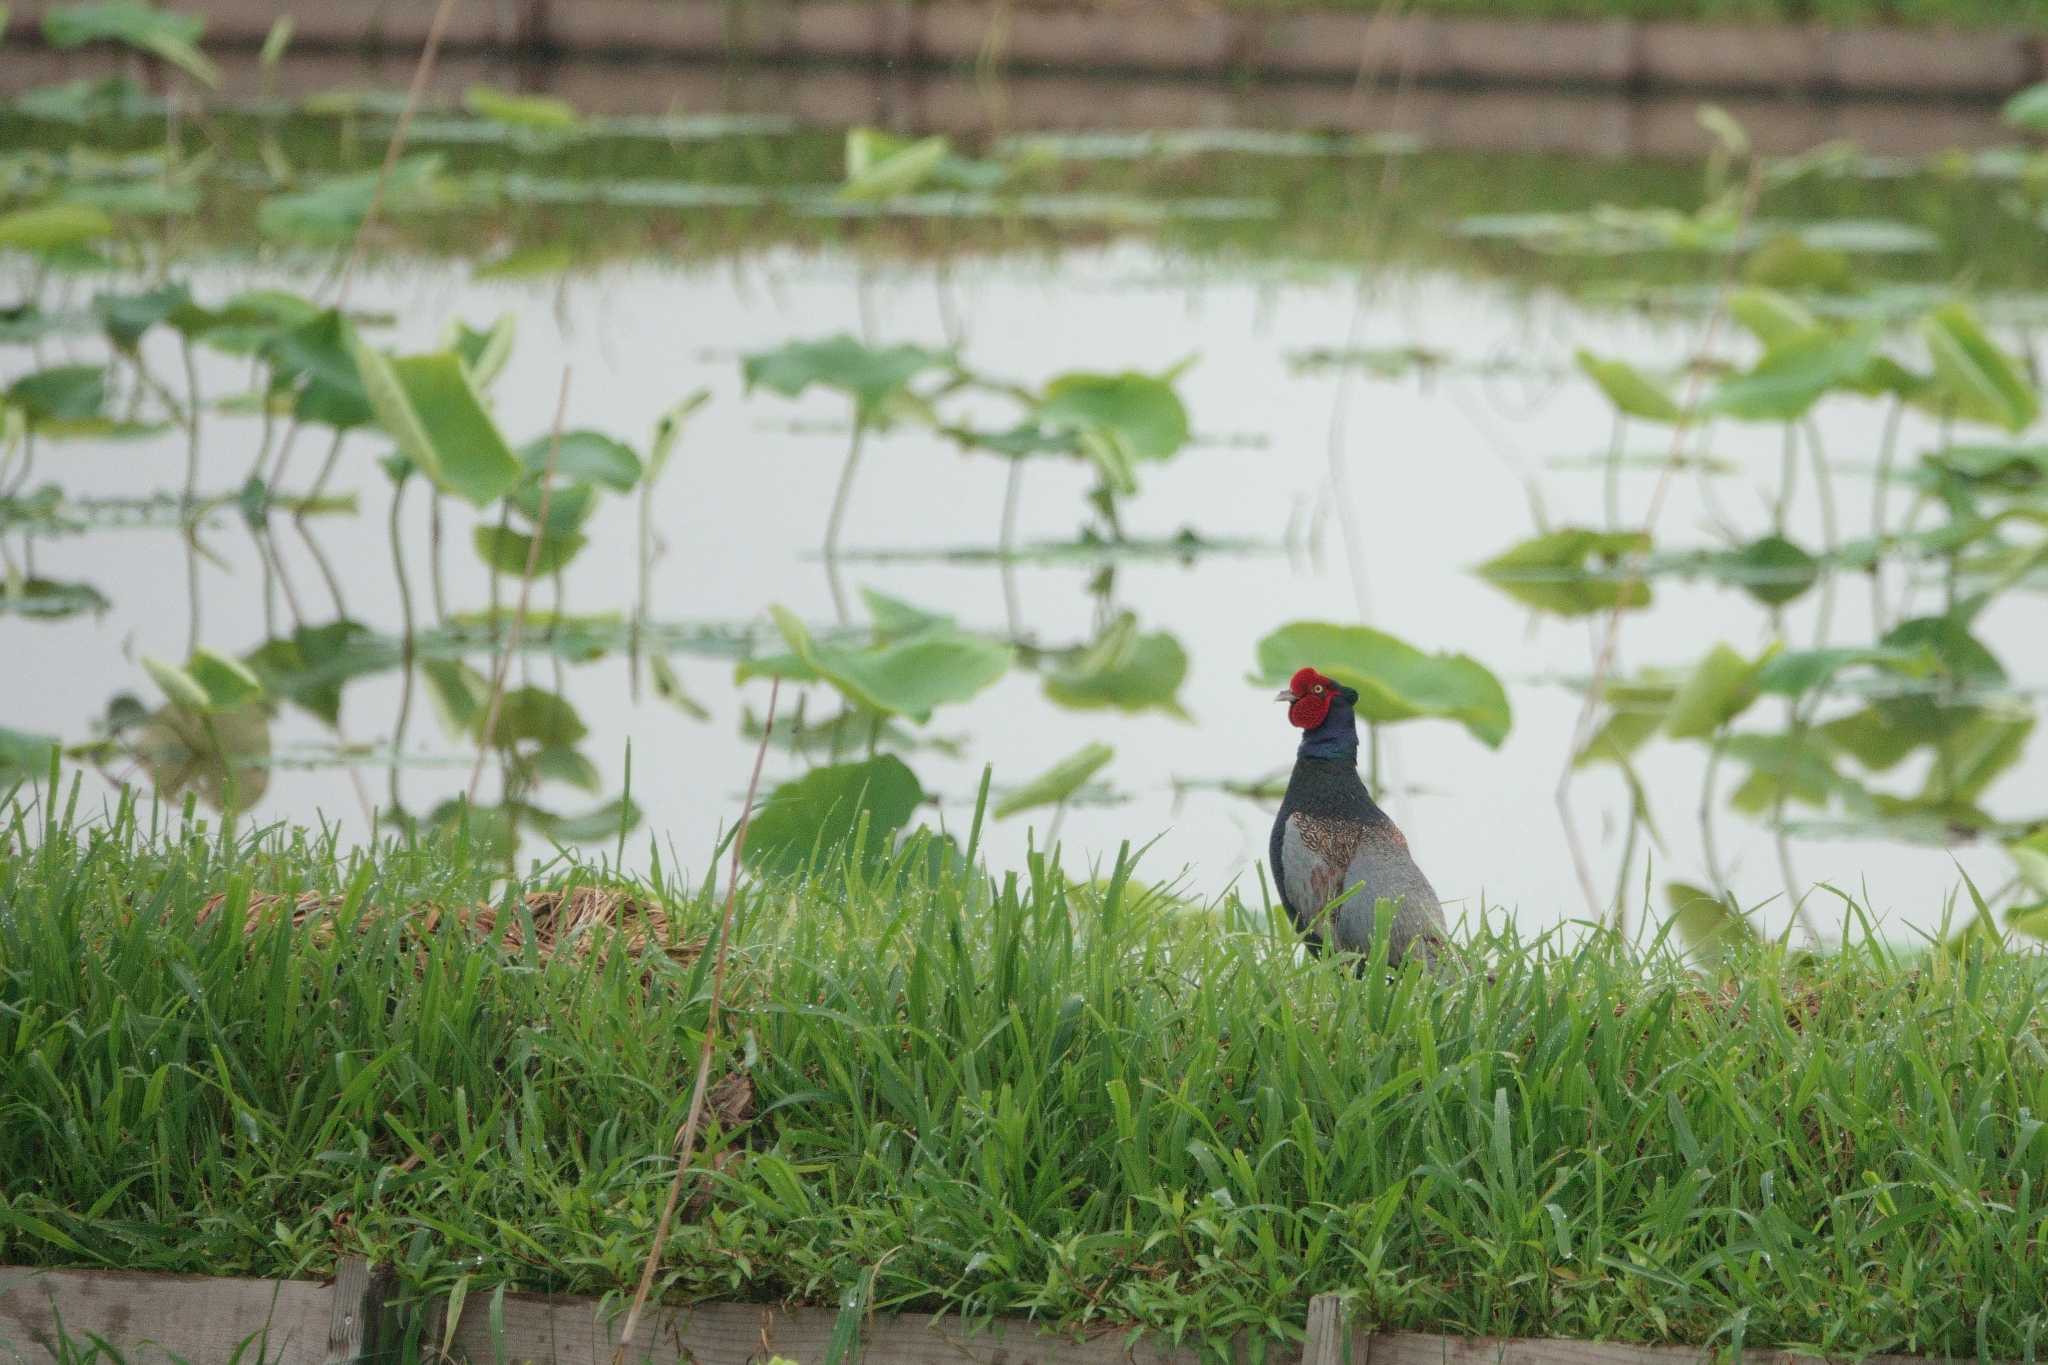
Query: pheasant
x=1330 y=836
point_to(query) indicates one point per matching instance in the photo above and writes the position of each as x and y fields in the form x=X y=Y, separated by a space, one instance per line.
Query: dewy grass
x=1012 y=1094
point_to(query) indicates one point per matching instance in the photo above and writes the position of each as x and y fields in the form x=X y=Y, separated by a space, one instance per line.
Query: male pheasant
x=1330 y=836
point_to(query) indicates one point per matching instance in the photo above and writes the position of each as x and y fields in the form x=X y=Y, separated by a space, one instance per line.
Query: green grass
x=1007 y=1094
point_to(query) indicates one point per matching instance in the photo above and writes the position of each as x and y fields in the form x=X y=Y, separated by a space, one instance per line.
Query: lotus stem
x=1614 y=446
x=1880 y=506
x=406 y=644
x=1830 y=530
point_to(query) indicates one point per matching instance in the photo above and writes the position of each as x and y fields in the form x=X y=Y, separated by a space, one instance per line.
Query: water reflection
x=1045 y=510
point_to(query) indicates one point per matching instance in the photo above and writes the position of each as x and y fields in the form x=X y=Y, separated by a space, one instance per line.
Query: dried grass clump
x=582 y=921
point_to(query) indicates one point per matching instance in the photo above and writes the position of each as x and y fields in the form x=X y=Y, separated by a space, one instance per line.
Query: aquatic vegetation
x=1843 y=296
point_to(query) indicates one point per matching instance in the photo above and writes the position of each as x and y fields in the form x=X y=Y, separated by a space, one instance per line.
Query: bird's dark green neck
x=1336 y=737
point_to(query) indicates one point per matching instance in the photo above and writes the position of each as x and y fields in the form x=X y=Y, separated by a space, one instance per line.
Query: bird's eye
x=1319 y=687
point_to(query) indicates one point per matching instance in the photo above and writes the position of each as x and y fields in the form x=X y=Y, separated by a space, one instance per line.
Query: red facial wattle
x=1313 y=694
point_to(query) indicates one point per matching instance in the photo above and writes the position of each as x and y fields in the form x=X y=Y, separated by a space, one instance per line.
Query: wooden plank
x=1332 y=1341
x=355 y=1319
x=1326 y=1340
x=153 y=1318
x=574 y=1331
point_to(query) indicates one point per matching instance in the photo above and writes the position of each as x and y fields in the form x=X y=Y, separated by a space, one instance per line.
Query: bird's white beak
x=1285 y=696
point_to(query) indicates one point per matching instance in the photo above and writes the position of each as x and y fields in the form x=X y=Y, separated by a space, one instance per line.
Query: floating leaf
x=1948 y=642
x=1877 y=737
x=26 y=322
x=531 y=715
x=1771 y=317
x=1626 y=729
x=2030 y=920
x=905 y=677
x=126 y=317
x=1395 y=680
x=431 y=408
x=24 y=757
x=62 y=393
x=1058 y=782
x=879 y=166
x=53 y=227
x=1712 y=927
x=2029 y=109
x=221 y=756
x=332 y=210
x=1144 y=412
x=2011 y=468
x=542 y=260
x=1571 y=572
x=895 y=618
x=1788 y=767
x=544 y=112
x=1969 y=756
x=164 y=33
x=484 y=352
x=559 y=763
x=178 y=685
x=1629 y=389
x=1794 y=374
x=1125 y=670
x=821 y=811
x=585 y=457
x=46 y=599
x=460 y=694
x=1718 y=690
x=105 y=100
x=2030 y=855
x=609 y=821
x=507 y=550
x=1790 y=261
x=227 y=683
x=309 y=666
x=568 y=507
x=871 y=376
x=251 y=320
x=1772 y=569
x=1973 y=379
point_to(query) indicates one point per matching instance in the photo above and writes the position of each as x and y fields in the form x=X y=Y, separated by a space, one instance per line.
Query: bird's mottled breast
x=1332 y=841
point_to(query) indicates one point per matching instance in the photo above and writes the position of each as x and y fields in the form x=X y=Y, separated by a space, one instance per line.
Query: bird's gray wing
x=1315 y=853
x=1324 y=858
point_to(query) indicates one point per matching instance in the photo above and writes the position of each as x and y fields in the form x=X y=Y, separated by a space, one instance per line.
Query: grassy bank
x=999 y=1095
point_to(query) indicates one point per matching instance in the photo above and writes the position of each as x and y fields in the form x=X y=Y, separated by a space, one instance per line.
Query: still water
x=1440 y=475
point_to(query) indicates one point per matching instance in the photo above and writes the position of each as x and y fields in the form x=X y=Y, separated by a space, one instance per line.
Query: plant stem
x=1788 y=480
x=686 y=1136
x=1007 y=544
x=188 y=502
x=406 y=646
x=326 y=472
x=511 y=645
x=1613 y=490
x=420 y=72
x=437 y=585
x=1708 y=843
x=839 y=500
x=1880 y=507
x=1830 y=530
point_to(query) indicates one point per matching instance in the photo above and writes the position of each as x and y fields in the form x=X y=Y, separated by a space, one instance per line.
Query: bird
x=1331 y=836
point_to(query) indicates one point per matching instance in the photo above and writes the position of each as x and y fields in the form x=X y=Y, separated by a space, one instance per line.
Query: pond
x=1389 y=360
